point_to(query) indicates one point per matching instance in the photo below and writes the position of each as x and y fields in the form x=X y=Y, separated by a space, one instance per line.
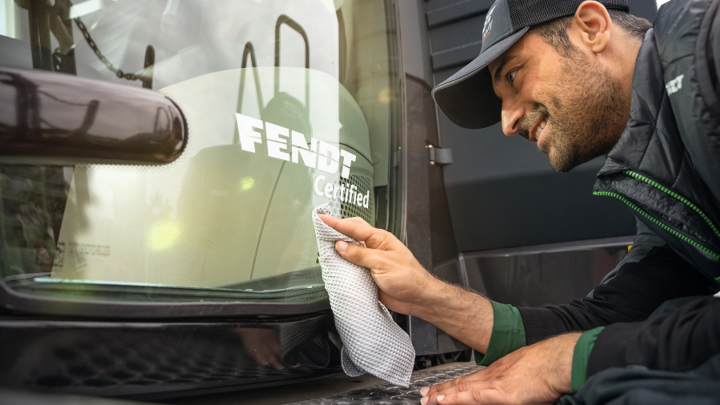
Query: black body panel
x=153 y=360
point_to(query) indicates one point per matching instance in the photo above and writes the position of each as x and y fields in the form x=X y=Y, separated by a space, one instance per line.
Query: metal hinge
x=440 y=156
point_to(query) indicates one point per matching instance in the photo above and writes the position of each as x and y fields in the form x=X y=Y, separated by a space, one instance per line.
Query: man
x=584 y=80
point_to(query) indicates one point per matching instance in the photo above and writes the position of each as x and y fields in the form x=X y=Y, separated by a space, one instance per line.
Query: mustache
x=530 y=119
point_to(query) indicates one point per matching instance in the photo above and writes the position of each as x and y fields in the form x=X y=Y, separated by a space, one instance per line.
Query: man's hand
x=535 y=374
x=402 y=281
x=406 y=287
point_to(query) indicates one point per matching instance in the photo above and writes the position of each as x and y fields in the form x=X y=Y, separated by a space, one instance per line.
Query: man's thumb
x=351 y=252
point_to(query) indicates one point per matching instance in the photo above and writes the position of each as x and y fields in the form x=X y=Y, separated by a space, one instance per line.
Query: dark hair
x=555 y=31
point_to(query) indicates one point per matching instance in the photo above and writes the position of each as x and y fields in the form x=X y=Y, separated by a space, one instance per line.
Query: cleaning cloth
x=372 y=342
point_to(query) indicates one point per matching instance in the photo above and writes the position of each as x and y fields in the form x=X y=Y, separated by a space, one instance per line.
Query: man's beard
x=589 y=115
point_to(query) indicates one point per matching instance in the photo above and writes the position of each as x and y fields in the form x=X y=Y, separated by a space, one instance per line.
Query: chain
x=118 y=72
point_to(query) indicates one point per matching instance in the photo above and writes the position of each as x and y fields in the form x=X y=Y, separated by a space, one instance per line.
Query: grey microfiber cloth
x=372 y=342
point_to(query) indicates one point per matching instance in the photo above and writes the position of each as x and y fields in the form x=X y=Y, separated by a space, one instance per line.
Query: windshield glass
x=289 y=105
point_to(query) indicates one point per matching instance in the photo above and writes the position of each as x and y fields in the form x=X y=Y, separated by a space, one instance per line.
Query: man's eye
x=511 y=76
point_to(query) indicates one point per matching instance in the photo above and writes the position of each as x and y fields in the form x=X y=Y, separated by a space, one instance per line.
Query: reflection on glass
x=288 y=107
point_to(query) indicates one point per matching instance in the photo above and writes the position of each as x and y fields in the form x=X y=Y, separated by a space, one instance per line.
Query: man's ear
x=594 y=25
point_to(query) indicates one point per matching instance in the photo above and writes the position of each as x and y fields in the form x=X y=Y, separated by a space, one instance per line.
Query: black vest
x=666 y=165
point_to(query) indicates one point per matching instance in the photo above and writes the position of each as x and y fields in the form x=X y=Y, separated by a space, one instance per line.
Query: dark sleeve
x=676 y=341
x=703 y=146
x=650 y=274
x=712 y=52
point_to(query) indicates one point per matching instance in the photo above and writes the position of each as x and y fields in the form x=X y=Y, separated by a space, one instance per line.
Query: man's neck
x=625 y=64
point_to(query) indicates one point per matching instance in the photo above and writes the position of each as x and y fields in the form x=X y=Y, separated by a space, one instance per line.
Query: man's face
x=572 y=106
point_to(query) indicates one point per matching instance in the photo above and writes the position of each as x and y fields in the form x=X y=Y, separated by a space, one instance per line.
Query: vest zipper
x=659 y=223
x=675 y=196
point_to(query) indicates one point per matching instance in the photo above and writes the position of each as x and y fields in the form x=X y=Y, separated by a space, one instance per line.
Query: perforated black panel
x=139 y=359
x=393 y=395
x=351 y=210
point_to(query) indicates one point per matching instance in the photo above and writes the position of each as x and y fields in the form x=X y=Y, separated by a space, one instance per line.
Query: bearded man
x=584 y=80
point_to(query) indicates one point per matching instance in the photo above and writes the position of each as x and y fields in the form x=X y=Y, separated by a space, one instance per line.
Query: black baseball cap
x=467 y=97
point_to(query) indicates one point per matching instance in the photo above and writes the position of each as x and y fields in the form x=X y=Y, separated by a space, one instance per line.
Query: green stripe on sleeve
x=508 y=334
x=581 y=354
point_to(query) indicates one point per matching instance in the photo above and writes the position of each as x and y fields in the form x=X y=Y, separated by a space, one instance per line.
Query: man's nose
x=511 y=119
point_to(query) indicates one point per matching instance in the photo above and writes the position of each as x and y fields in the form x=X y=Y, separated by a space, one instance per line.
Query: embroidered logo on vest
x=674 y=85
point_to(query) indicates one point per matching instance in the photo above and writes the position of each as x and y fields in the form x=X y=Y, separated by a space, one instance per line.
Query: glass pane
x=289 y=105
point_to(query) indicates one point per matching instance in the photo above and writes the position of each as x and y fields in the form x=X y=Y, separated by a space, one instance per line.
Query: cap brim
x=467 y=97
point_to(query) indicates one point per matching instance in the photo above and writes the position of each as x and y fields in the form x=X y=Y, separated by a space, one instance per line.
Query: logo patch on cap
x=497 y=24
x=488 y=23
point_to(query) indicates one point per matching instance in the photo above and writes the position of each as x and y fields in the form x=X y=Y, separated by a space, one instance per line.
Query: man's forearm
x=680 y=340
x=406 y=287
x=462 y=314
x=637 y=289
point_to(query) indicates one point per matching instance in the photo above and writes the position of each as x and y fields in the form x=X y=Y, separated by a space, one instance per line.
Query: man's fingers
x=329 y=220
x=433 y=390
x=470 y=392
x=358 y=220
x=447 y=385
x=460 y=384
x=357 y=230
x=355 y=254
x=479 y=396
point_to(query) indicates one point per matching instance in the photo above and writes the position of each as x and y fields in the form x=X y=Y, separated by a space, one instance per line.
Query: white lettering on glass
x=343 y=192
x=348 y=158
x=321 y=155
x=329 y=158
x=275 y=144
x=318 y=179
x=248 y=137
x=300 y=148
